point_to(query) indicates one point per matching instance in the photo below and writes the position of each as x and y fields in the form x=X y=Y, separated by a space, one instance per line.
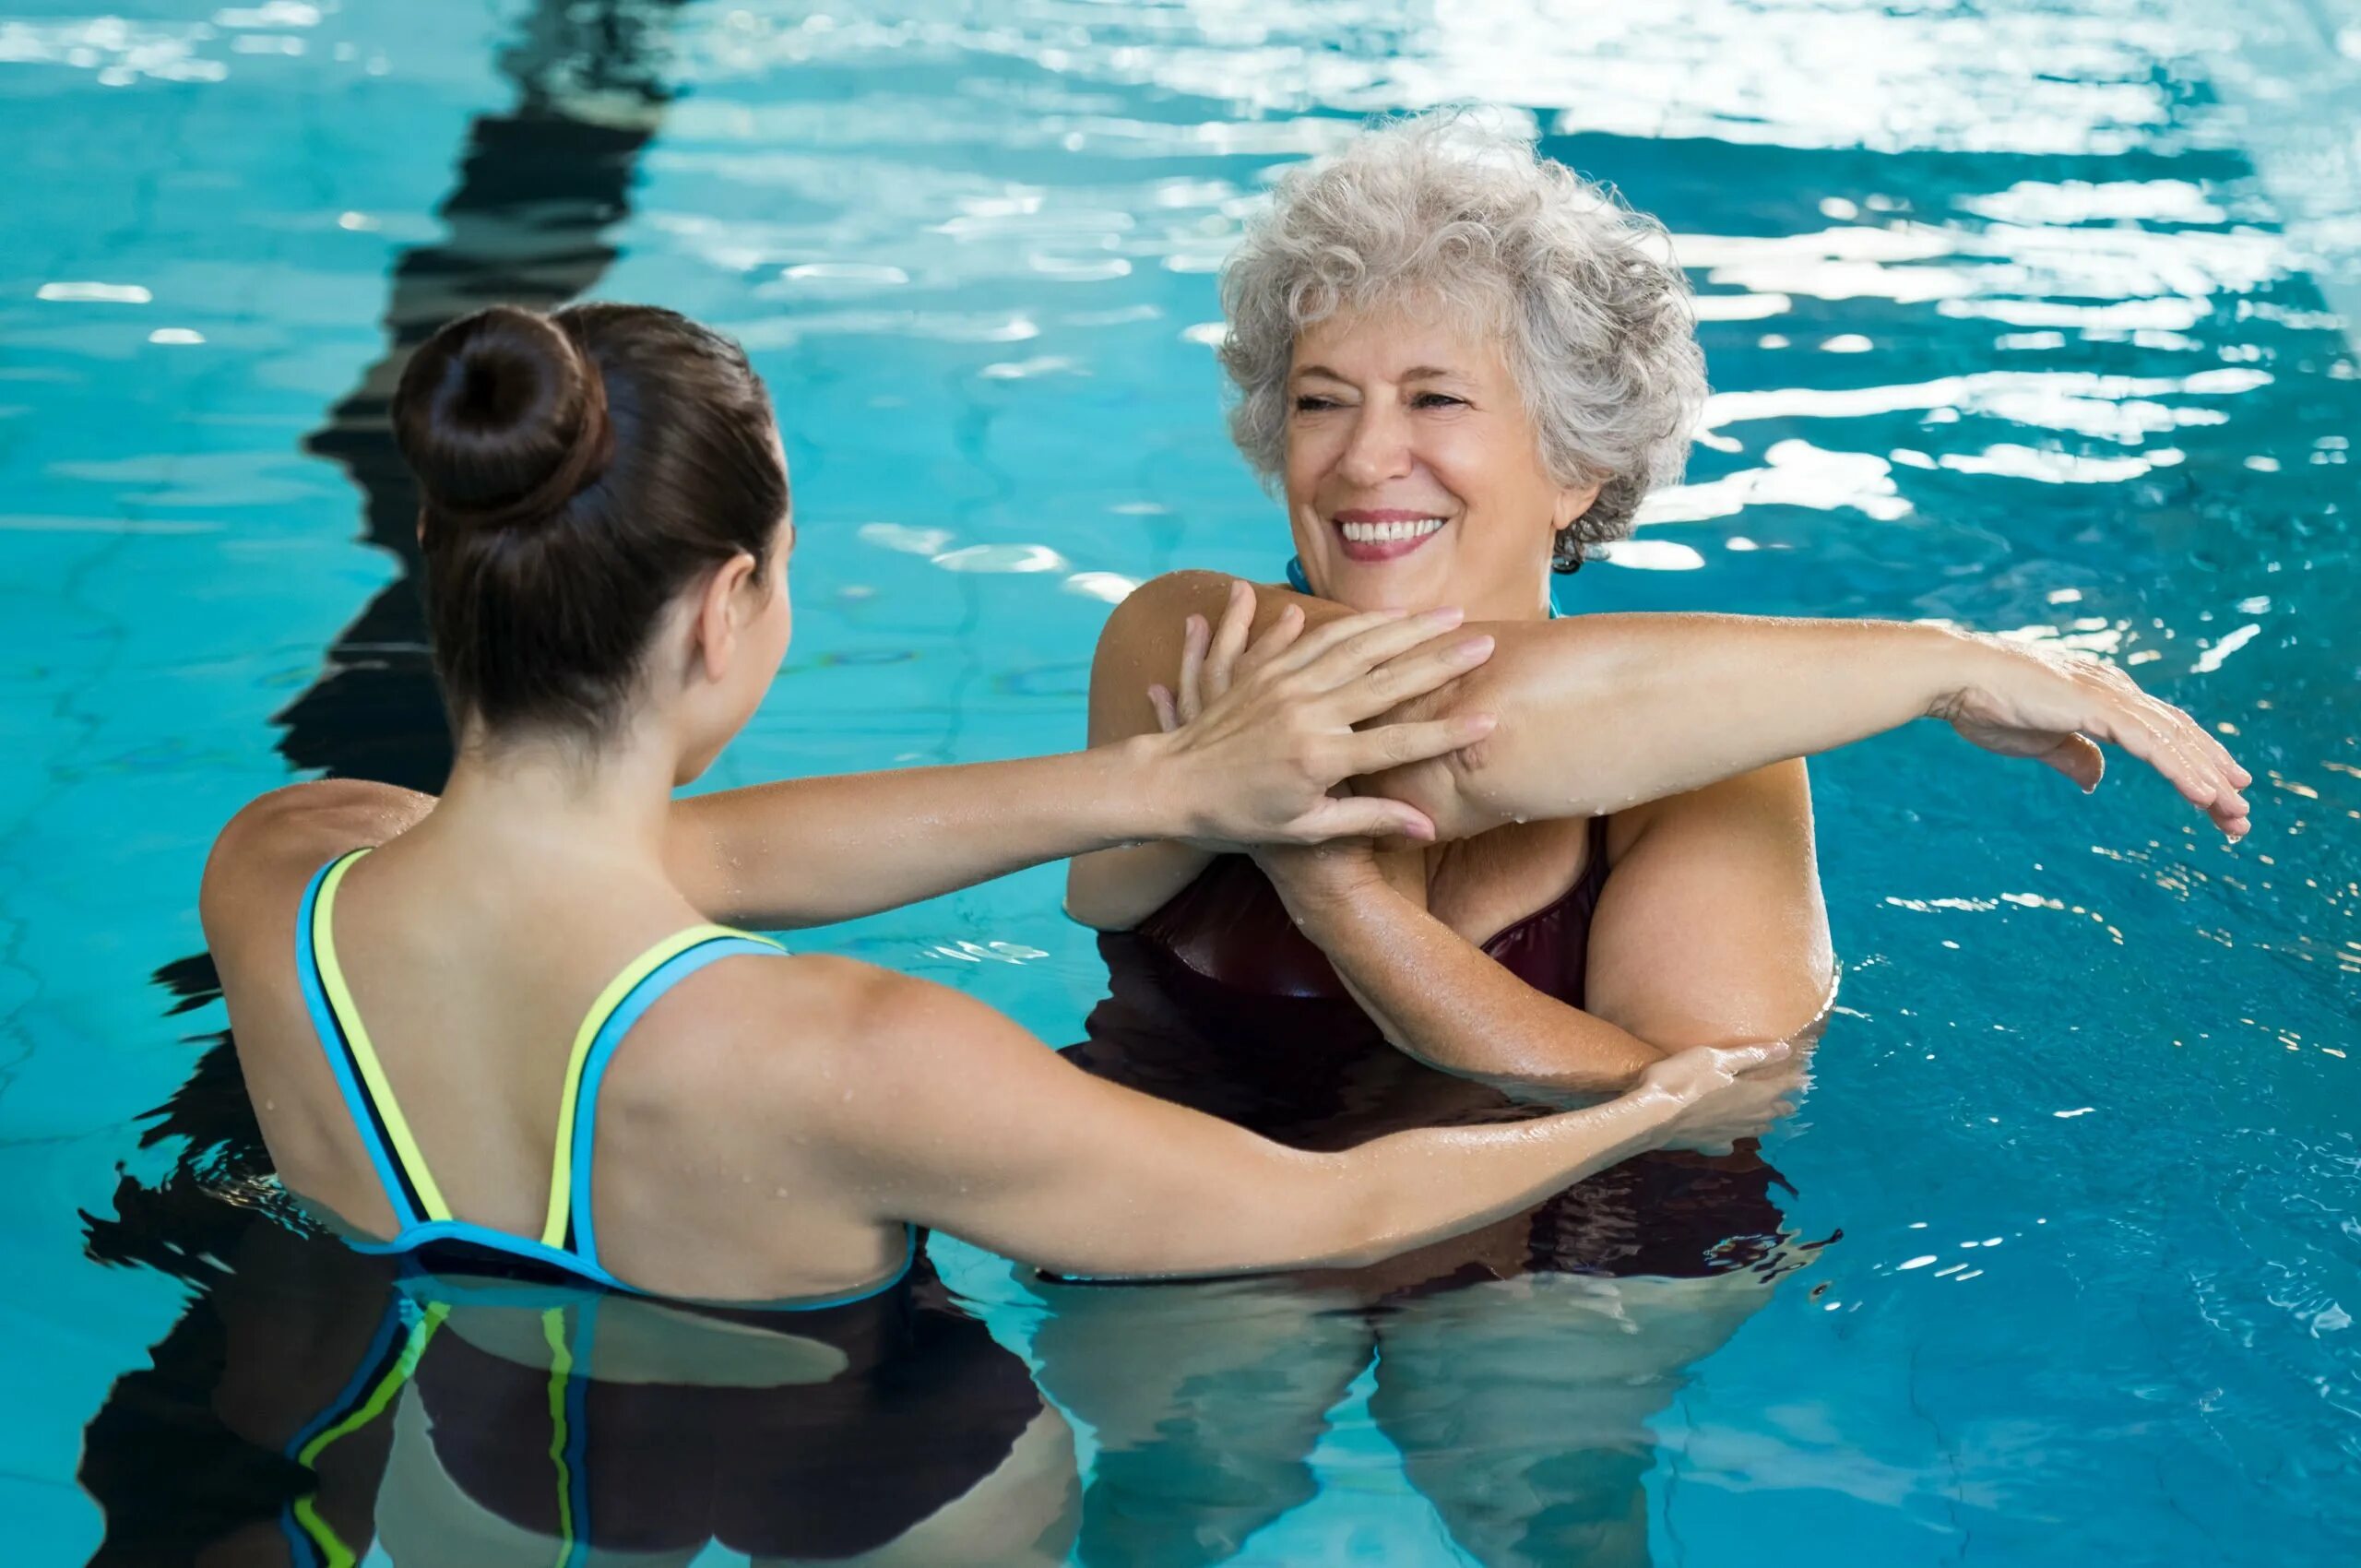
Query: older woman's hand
x=1258 y=737
x=2052 y=706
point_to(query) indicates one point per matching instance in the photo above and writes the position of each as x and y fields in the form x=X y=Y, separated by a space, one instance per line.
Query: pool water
x=2036 y=318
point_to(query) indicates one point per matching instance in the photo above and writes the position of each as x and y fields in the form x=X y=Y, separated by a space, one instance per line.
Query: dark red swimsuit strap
x=1583 y=895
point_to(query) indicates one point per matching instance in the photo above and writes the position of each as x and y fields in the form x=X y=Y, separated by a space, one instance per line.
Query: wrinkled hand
x=1725 y=1093
x=2054 y=706
x=1261 y=734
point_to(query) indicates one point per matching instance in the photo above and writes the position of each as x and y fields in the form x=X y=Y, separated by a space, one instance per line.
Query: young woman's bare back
x=477 y=1061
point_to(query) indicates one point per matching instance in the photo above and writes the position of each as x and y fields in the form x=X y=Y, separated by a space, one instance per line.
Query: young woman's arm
x=951 y=1116
x=1598 y=713
x=1257 y=767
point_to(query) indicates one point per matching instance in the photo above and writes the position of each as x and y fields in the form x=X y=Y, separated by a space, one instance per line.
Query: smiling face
x=1413 y=476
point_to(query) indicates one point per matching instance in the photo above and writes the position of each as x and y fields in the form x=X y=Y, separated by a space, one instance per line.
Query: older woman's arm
x=1606 y=711
x=1602 y=712
x=1711 y=930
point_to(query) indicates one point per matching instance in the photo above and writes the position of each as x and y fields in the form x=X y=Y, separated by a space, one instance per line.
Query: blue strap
x=609 y=1037
x=331 y=1037
x=415 y=1238
x=1302 y=584
x=412 y=1232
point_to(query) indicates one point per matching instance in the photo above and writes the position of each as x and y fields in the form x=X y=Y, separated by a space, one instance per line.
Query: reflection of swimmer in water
x=496 y=1030
x=316 y=1398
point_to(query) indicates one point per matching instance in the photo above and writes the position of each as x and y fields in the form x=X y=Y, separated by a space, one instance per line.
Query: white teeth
x=1387 y=533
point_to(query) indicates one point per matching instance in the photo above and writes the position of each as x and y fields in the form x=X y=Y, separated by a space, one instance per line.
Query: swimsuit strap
x=568 y=1239
x=1302 y=584
x=401 y=1171
x=629 y=995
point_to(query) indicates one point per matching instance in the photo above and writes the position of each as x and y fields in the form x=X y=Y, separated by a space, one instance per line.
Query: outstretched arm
x=1602 y=712
x=1599 y=713
x=1258 y=767
x=953 y=1117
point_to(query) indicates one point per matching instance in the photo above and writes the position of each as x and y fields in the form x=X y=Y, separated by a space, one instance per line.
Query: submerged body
x=1218 y=1002
x=312 y=1401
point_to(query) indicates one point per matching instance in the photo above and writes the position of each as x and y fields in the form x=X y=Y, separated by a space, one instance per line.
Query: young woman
x=496 y=1030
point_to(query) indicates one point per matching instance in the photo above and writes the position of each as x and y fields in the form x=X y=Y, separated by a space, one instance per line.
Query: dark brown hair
x=575 y=472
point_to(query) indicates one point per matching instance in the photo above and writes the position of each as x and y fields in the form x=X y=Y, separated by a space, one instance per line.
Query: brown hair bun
x=504 y=420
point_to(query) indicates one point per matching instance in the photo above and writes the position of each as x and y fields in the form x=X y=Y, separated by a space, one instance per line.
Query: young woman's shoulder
x=836 y=1059
x=830 y=1021
x=268 y=850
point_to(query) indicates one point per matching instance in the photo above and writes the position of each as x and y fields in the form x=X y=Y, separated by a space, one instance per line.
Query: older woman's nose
x=1380 y=448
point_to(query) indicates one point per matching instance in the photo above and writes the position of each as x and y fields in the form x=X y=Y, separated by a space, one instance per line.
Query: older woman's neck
x=1521 y=601
x=559 y=795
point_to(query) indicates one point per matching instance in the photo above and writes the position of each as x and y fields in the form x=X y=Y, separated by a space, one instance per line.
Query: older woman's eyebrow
x=1415 y=372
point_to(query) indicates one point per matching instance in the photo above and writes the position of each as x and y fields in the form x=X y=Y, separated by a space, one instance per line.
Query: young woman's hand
x=1258 y=734
x=2027 y=701
x=1724 y=1093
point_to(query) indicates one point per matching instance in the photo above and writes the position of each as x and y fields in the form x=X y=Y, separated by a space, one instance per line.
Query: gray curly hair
x=1593 y=311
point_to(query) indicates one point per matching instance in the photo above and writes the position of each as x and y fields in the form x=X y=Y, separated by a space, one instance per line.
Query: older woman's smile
x=1384 y=533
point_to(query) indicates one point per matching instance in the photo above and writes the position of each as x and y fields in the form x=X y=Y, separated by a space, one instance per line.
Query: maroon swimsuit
x=1218 y=1002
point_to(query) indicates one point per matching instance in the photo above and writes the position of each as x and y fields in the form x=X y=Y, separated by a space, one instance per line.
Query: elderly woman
x=1462 y=367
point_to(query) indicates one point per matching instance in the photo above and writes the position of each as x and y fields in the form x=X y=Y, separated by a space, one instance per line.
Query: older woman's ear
x=1572 y=506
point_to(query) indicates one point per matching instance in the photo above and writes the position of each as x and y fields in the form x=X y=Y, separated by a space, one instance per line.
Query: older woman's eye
x=1438 y=401
x=1311 y=403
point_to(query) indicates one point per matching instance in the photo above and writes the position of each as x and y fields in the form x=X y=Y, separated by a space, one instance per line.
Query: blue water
x=2024 y=316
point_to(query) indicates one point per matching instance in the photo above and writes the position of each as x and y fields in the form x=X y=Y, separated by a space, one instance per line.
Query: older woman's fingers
x=1167 y=718
x=2231 y=768
x=1229 y=638
x=2137 y=733
x=1191 y=695
x=2202 y=738
x=2224 y=803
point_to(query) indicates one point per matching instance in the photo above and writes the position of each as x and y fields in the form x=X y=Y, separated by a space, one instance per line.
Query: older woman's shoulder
x=1157 y=608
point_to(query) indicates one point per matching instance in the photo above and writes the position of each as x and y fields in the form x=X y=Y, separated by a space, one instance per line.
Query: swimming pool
x=2024 y=316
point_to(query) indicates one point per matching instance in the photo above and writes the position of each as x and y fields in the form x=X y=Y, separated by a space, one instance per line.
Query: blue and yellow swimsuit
x=426 y=1230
